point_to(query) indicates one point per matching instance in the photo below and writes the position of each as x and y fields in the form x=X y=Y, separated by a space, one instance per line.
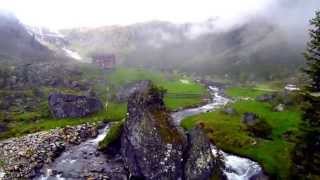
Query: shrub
x=260 y=129
x=112 y=136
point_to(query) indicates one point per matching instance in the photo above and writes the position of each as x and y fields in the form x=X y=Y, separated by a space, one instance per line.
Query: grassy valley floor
x=229 y=133
x=181 y=92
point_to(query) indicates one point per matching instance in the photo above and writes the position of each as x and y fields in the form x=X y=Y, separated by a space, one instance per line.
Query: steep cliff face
x=17 y=44
x=152 y=147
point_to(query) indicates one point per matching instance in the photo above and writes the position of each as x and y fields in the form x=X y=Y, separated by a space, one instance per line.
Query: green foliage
x=307 y=151
x=178 y=94
x=115 y=112
x=312 y=55
x=260 y=129
x=112 y=136
x=244 y=92
x=230 y=134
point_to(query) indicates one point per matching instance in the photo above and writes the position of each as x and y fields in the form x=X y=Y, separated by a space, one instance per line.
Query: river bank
x=23 y=157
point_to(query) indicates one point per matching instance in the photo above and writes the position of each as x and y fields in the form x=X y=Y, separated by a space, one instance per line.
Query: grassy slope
x=178 y=95
x=229 y=134
x=29 y=122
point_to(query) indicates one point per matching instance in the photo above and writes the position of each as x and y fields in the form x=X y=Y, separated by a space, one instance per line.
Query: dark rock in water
x=260 y=176
x=266 y=97
x=200 y=163
x=152 y=148
x=65 y=105
x=250 y=118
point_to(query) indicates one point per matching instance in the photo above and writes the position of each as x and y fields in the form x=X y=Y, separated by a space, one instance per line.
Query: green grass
x=112 y=136
x=244 y=92
x=105 y=83
x=179 y=95
x=230 y=135
x=115 y=112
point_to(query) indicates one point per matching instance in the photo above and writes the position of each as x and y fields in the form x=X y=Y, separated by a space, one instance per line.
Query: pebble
x=24 y=156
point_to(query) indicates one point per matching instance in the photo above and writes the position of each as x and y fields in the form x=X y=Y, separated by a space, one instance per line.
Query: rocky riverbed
x=22 y=157
x=152 y=147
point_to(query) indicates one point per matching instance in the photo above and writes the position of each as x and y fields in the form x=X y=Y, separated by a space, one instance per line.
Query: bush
x=112 y=136
x=260 y=129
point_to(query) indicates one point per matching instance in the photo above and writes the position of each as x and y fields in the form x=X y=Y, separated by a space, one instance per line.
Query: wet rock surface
x=200 y=161
x=23 y=157
x=86 y=162
x=152 y=148
x=124 y=92
x=66 y=105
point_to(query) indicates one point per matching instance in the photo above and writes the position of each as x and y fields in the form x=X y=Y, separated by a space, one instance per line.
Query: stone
x=24 y=156
x=151 y=146
x=66 y=105
x=230 y=111
x=266 y=97
x=200 y=163
x=279 y=108
x=250 y=118
x=125 y=91
x=3 y=127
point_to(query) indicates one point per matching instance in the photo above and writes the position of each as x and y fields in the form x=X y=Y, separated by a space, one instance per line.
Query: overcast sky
x=58 y=14
x=74 y=13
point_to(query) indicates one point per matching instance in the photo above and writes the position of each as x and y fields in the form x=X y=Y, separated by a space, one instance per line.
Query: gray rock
x=250 y=118
x=200 y=163
x=24 y=156
x=3 y=127
x=125 y=91
x=279 y=108
x=152 y=147
x=65 y=105
x=230 y=111
x=266 y=97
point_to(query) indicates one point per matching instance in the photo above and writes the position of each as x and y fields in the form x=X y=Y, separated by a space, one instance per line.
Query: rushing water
x=237 y=168
x=85 y=157
x=81 y=160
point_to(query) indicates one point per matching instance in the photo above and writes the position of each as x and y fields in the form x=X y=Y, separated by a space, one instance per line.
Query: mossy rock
x=112 y=137
x=260 y=129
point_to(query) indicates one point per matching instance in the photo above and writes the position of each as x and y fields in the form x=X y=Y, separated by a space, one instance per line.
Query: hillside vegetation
x=230 y=134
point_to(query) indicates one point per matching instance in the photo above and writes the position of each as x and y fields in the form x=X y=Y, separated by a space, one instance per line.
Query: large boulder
x=66 y=105
x=200 y=163
x=151 y=146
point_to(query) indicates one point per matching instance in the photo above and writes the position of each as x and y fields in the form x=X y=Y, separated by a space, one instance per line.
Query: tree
x=306 y=156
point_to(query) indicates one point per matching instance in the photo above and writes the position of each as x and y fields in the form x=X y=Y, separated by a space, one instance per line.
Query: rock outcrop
x=201 y=162
x=152 y=148
x=65 y=105
x=125 y=91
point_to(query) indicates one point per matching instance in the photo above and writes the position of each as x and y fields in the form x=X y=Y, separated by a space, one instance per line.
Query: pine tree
x=306 y=155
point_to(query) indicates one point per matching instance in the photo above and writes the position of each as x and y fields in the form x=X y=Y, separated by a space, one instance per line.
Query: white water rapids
x=237 y=168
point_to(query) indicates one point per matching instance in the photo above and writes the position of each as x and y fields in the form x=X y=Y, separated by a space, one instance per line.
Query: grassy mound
x=230 y=134
x=112 y=136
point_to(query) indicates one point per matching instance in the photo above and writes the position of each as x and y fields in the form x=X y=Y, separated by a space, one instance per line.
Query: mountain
x=53 y=40
x=19 y=45
x=202 y=48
